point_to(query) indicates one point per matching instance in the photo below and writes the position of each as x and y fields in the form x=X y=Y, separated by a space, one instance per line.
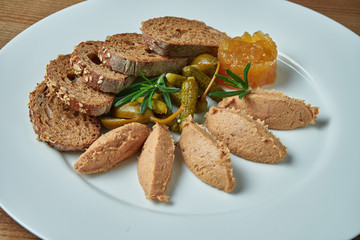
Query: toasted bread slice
x=73 y=90
x=59 y=125
x=113 y=147
x=85 y=62
x=208 y=158
x=127 y=53
x=156 y=162
x=180 y=37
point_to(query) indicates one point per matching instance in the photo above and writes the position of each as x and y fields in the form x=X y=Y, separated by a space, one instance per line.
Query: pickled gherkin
x=173 y=125
x=175 y=80
x=203 y=80
x=175 y=97
x=130 y=112
x=157 y=97
x=201 y=106
x=206 y=63
x=189 y=96
x=159 y=106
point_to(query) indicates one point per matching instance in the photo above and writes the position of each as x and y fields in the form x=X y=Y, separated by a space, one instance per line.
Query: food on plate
x=112 y=147
x=82 y=85
x=174 y=79
x=158 y=104
x=176 y=100
x=180 y=37
x=155 y=163
x=259 y=49
x=59 y=125
x=175 y=97
x=148 y=88
x=74 y=91
x=244 y=136
x=235 y=81
x=189 y=96
x=276 y=109
x=133 y=108
x=206 y=157
x=85 y=62
x=203 y=80
x=173 y=124
x=206 y=63
x=131 y=112
x=127 y=53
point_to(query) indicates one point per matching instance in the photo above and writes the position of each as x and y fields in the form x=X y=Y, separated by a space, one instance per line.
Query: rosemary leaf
x=235 y=81
x=144 y=103
x=125 y=99
x=236 y=78
x=143 y=76
x=168 y=89
x=225 y=94
x=246 y=71
x=148 y=87
x=167 y=100
x=226 y=79
x=134 y=87
x=150 y=99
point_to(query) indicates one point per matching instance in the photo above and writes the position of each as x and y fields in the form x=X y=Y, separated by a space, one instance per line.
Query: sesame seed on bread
x=73 y=90
x=127 y=53
x=59 y=125
x=180 y=37
x=85 y=62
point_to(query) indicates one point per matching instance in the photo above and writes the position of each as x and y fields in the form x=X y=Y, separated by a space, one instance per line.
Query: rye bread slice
x=127 y=53
x=59 y=125
x=180 y=37
x=73 y=90
x=85 y=62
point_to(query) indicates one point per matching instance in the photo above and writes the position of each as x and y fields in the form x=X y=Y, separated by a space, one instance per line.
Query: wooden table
x=17 y=15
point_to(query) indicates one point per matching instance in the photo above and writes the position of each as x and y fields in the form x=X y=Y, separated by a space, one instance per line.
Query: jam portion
x=259 y=49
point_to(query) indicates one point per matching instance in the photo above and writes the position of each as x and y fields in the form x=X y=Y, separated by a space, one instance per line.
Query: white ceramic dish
x=313 y=194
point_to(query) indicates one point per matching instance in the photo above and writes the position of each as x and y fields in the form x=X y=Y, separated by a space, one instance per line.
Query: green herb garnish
x=149 y=88
x=234 y=81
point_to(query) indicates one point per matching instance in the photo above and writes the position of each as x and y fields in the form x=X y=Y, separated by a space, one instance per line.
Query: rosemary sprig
x=134 y=87
x=148 y=87
x=234 y=81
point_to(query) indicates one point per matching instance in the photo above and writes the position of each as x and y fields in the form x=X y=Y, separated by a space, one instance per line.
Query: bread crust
x=127 y=53
x=173 y=50
x=75 y=92
x=86 y=63
x=180 y=37
x=59 y=125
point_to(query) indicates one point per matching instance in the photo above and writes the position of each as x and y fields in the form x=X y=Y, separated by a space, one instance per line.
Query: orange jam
x=259 y=49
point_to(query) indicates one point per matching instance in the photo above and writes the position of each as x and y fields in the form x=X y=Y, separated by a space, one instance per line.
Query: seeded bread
x=180 y=37
x=59 y=125
x=127 y=53
x=85 y=62
x=73 y=90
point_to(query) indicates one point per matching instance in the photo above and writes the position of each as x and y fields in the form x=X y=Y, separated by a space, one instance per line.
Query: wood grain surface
x=17 y=15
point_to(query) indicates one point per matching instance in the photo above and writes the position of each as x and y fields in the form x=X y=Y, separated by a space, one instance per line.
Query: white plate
x=313 y=194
